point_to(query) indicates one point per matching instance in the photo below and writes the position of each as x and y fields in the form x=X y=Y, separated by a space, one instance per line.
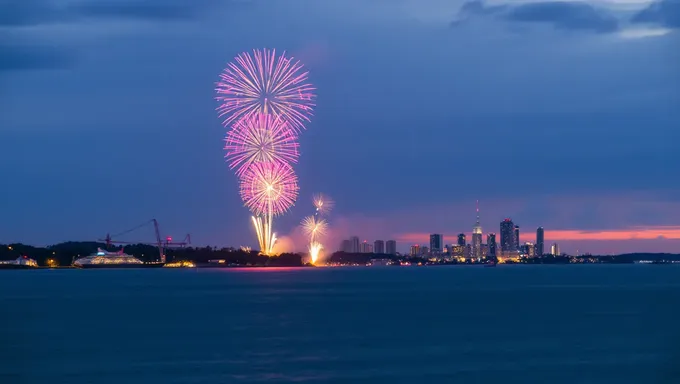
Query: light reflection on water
x=526 y=324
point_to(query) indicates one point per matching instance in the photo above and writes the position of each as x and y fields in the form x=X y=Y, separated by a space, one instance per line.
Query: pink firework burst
x=262 y=82
x=269 y=188
x=260 y=138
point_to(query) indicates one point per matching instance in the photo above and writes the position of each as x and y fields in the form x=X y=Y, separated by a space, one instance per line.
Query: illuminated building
x=436 y=243
x=555 y=250
x=477 y=238
x=528 y=250
x=378 y=246
x=365 y=247
x=508 y=236
x=391 y=247
x=415 y=250
x=491 y=243
x=458 y=251
x=461 y=239
x=539 y=241
x=517 y=237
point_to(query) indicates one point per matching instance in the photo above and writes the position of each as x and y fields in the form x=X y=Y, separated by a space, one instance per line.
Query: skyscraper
x=461 y=239
x=555 y=250
x=477 y=237
x=415 y=250
x=436 y=243
x=517 y=237
x=345 y=246
x=491 y=242
x=391 y=247
x=508 y=236
x=378 y=246
x=366 y=247
x=539 y=242
x=354 y=244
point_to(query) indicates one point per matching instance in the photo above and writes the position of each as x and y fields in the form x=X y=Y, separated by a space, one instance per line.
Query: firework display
x=316 y=227
x=323 y=204
x=269 y=188
x=263 y=82
x=265 y=100
x=260 y=138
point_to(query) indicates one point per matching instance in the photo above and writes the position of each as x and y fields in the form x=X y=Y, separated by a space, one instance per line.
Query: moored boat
x=104 y=259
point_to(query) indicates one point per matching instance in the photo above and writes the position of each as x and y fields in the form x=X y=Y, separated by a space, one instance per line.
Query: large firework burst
x=260 y=138
x=314 y=227
x=269 y=189
x=263 y=82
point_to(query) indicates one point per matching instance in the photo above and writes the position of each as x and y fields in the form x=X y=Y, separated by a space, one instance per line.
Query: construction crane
x=160 y=244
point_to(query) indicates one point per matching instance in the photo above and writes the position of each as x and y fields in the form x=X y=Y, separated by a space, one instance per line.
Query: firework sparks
x=323 y=204
x=314 y=227
x=314 y=251
x=260 y=138
x=263 y=82
x=269 y=188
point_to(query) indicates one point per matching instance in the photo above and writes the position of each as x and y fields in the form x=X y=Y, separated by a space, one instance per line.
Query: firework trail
x=268 y=190
x=260 y=138
x=315 y=250
x=263 y=82
x=316 y=227
x=323 y=204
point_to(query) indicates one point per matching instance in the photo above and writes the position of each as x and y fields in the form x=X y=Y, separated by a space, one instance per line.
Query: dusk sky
x=561 y=115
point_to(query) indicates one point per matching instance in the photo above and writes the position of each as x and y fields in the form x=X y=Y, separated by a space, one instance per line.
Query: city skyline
x=579 y=136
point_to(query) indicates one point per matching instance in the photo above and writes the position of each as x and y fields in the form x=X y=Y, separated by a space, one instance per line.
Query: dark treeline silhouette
x=65 y=253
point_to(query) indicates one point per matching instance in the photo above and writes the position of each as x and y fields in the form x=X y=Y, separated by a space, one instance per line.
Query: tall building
x=345 y=246
x=491 y=243
x=508 y=236
x=354 y=244
x=391 y=247
x=528 y=250
x=477 y=237
x=539 y=241
x=415 y=250
x=555 y=250
x=378 y=246
x=366 y=247
x=461 y=239
x=517 y=237
x=436 y=243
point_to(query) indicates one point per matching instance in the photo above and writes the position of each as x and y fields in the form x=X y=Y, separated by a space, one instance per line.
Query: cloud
x=565 y=15
x=664 y=12
x=17 y=13
x=16 y=57
x=143 y=9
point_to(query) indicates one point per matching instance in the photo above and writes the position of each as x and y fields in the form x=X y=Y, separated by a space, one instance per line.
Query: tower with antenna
x=477 y=237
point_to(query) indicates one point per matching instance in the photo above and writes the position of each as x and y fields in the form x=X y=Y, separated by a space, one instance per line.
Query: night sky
x=563 y=115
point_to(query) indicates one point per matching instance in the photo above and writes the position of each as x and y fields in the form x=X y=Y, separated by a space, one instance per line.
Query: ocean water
x=463 y=324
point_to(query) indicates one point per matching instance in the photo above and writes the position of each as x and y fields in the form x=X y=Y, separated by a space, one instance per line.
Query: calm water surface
x=511 y=324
